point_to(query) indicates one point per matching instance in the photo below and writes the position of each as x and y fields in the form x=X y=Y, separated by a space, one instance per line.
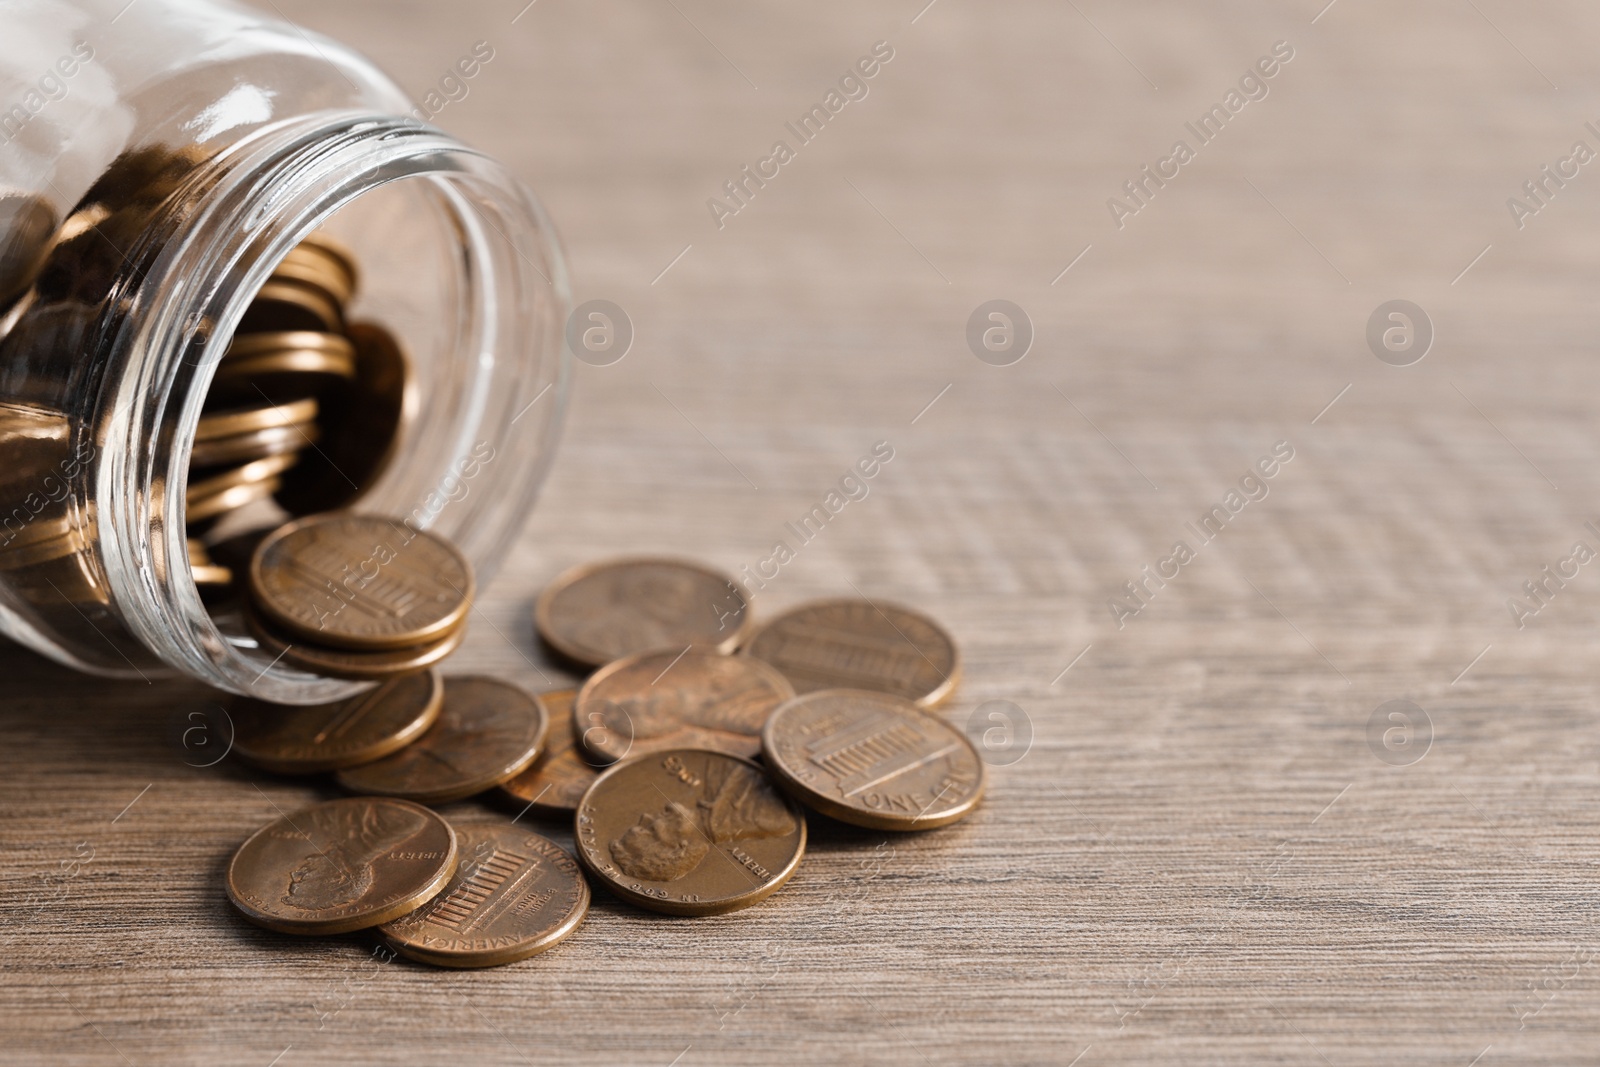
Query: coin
x=360 y=582
x=248 y=447
x=204 y=570
x=861 y=644
x=342 y=865
x=306 y=367
x=327 y=737
x=363 y=422
x=689 y=832
x=488 y=732
x=337 y=256
x=262 y=417
x=557 y=780
x=281 y=305
x=514 y=895
x=262 y=344
x=314 y=266
x=693 y=698
x=46 y=526
x=599 y=612
x=252 y=473
x=343 y=663
x=70 y=542
x=199 y=509
x=872 y=760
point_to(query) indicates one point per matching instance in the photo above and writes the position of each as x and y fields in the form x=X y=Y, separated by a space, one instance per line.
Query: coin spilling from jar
x=685 y=767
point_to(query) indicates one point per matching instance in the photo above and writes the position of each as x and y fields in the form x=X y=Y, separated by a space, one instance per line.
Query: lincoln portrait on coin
x=667 y=844
x=345 y=844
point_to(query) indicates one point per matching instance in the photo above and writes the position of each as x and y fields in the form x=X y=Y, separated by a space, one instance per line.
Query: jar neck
x=189 y=283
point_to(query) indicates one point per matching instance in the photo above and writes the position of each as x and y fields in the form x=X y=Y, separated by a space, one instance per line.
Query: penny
x=204 y=570
x=346 y=733
x=599 y=612
x=248 y=447
x=861 y=644
x=42 y=527
x=360 y=582
x=488 y=732
x=313 y=266
x=515 y=894
x=692 y=698
x=72 y=541
x=363 y=423
x=343 y=865
x=281 y=305
x=252 y=473
x=198 y=509
x=343 y=663
x=335 y=254
x=873 y=760
x=249 y=420
x=303 y=365
x=557 y=780
x=260 y=344
x=689 y=832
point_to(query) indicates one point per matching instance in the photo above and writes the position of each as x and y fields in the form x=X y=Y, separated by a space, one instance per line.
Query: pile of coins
x=685 y=763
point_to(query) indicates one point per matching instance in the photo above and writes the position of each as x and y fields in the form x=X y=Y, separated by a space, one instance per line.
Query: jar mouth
x=491 y=415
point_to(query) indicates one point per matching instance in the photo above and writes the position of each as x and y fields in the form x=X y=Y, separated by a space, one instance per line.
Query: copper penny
x=599 y=612
x=360 y=582
x=334 y=254
x=560 y=776
x=873 y=760
x=514 y=895
x=200 y=508
x=311 y=265
x=488 y=732
x=362 y=424
x=689 y=832
x=345 y=663
x=248 y=447
x=281 y=305
x=861 y=644
x=346 y=733
x=343 y=865
x=248 y=420
x=304 y=355
x=254 y=473
x=260 y=344
x=72 y=542
x=691 y=698
x=204 y=570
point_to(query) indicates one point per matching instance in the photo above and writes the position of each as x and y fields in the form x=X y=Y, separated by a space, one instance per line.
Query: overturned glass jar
x=238 y=282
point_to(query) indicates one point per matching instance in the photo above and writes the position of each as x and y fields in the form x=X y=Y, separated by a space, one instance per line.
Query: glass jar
x=118 y=299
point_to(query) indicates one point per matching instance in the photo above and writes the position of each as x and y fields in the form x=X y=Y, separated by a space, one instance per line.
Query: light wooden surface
x=1200 y=860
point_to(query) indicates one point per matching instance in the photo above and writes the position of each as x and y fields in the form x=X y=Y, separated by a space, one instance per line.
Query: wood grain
x=1200 y=859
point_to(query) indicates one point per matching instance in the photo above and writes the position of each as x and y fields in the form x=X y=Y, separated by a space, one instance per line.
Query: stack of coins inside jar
x=305 y=409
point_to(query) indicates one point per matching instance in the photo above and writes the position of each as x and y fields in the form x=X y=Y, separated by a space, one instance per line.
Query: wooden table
x=1207 y=854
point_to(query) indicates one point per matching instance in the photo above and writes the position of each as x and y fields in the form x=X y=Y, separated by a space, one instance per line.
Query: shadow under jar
x=158 y=163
